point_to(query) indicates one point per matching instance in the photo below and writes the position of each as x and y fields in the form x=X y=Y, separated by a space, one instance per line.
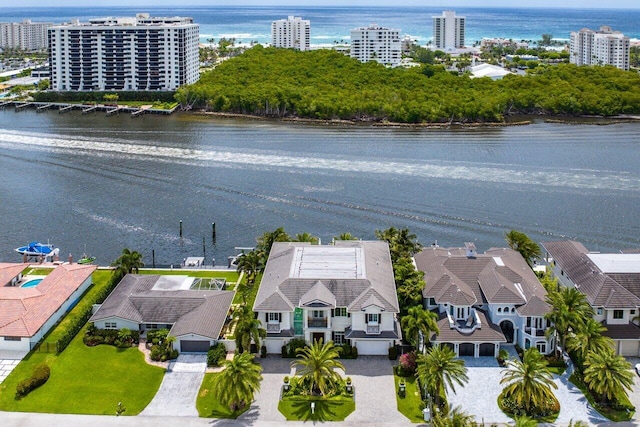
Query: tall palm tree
x=318 y=366
x=247 y=328
x=128 y=262
x=269 y=238
x=419 y=321
x=306 y=237
x=589 y=339
x=569 y=311
x=608 y=375
x=238 y=381
x=529 y=382
x=522 y=243
x=439 y=367
x=402 y=243
x=250 y=264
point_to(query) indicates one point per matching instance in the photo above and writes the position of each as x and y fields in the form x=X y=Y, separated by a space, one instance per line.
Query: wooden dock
x=89 y=109
x=21 y=106
x=42 y=108
x=65 y=108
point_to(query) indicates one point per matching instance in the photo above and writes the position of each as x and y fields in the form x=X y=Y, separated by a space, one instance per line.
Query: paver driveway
x=179 y=389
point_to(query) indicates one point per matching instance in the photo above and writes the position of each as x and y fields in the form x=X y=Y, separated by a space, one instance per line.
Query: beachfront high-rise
x=25 y=35
x=448 y=31
x=374 y=43
x=130 y=53
x=291 y=33
x=603 y=47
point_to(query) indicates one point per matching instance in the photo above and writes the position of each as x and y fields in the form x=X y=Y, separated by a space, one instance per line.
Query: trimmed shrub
x=121 y=338
x=263 y=351
x=293 y=346
x=39 y=376
x=216 y=354
x=393 y=353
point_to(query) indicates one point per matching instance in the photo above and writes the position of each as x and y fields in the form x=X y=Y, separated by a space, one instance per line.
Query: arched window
x=499 y=309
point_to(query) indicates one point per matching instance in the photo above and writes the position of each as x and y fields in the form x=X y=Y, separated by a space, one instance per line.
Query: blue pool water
x=32 y=283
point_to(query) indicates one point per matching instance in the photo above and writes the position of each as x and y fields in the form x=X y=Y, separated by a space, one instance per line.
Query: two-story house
x=611 y=283
x=341 y=292
x=484 y=300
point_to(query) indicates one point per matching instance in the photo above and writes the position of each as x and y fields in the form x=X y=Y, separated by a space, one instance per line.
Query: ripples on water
x=117 y=182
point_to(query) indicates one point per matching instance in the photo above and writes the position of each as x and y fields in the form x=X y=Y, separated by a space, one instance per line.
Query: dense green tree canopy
x=324 y=84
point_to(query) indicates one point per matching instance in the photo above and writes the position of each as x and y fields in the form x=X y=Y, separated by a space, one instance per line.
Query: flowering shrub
x=407 y=364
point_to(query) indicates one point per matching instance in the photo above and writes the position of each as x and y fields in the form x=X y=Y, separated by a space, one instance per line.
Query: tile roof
x=10 y=271
x=318 y=294
x=489 y=332
x=499 y=276
x=23 y=311
x=611 y=291
x=284 y=286
x=190 y=311
x=627 y=331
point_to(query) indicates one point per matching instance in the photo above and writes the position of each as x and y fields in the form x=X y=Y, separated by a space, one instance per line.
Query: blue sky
x=619 y=4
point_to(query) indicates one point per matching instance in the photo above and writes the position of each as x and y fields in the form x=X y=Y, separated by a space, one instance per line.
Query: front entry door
x=317 y=336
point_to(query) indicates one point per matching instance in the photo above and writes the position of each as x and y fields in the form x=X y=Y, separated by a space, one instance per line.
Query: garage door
x=487 y=349
x=628 y=348
x=373 y=348
x=187 y=346
x=466 y=349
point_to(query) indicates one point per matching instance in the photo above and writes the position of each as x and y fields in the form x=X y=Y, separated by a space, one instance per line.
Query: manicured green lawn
x=557 y=370
x=208 y=404
x=612 y=414
x=231 y=276
x=411 y=404
x=251 y=295
x=85 y=380
x=37 y=271
x=298 y=408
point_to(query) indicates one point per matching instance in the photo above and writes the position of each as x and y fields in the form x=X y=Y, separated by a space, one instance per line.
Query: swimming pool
x=31 y=283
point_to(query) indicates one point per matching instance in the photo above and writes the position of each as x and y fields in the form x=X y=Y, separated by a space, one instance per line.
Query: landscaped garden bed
x=621 y=412
x=208 y=403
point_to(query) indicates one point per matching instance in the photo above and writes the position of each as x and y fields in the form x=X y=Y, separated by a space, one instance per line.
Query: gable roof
x=189 y=311
x=610 y=291
x=9 y=271
x=499 y=276
x=345 y=274
x=23 y=311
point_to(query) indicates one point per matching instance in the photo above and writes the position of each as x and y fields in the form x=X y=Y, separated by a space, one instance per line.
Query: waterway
x=106 y=183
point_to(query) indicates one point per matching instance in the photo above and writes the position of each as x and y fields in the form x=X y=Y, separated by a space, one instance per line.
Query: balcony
x=273 y=328
x=317 y=322
x=373 y=329
x=534 y=332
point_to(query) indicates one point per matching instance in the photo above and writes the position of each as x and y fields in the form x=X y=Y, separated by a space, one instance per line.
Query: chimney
x=70 y=259
x=471 y=249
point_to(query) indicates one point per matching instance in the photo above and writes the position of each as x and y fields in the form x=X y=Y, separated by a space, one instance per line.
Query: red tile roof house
x=342 y=292
x=27 y=314
x=611 y=283
x=484 y=300
x=148 y=302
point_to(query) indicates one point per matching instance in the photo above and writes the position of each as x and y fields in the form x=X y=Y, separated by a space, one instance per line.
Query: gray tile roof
x=628 y=331
x=499 y=276
x=489 y=332
x=611 y=291
x=318 y=294
x=282 y=287
x=190 y=311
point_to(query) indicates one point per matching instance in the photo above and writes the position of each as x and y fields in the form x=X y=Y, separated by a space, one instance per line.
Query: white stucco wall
x=120 y=323
x=22 y=345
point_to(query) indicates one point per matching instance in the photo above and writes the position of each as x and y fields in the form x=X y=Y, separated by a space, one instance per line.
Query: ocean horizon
x=331 y=25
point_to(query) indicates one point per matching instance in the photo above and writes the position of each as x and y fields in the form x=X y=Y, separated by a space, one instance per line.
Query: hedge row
x=39 y=376
x=98 y=96
x=77 y=319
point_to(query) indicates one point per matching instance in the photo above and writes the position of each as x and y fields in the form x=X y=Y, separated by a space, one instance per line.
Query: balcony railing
x=535 y=331
x=273 y=328
x=373 y=329
x=317 y=322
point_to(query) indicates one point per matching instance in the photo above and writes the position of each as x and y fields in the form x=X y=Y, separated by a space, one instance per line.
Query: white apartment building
x=448 y=31
x=291 y=33
x=130 y=53
x=375 y=43
x=25 y=35
x=603 y=47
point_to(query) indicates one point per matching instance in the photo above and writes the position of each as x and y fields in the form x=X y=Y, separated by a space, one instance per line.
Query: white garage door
x=628 y=348
x=373 y=348
x=274 y=345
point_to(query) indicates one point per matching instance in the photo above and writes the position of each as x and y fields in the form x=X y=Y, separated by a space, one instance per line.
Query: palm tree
x=128 y=262
x=419 y=321
x=306 y=237
x=529 y=382
x=345 y=236
x=608 y=375
x=520 y=242
x=318 y=366
x=402 y=244
x=588 y=338
x=439 y=367
x=250 y=264
x=569 y=311
x=455 y=418
x=238 y=381
x=269 y=238
x=247 y=328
